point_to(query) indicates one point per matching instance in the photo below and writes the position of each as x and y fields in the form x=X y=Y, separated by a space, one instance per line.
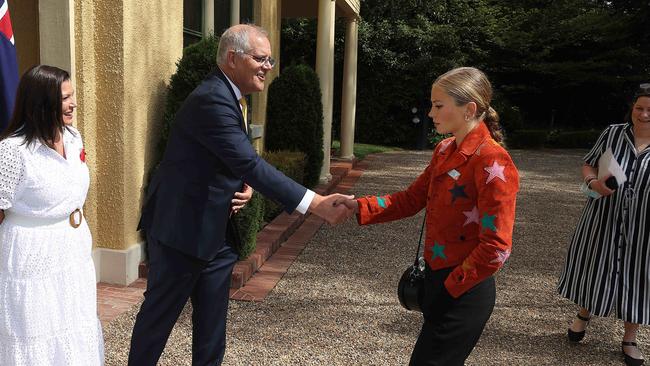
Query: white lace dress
x=48 y=304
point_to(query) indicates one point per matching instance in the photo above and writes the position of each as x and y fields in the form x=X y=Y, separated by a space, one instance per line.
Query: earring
x=467 y=118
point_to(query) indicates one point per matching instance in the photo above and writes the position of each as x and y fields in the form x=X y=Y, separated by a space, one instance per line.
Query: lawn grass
x=361 y=150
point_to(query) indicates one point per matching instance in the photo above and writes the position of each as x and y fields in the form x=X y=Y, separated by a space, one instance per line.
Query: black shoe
x=577 y=336
x=629 y=360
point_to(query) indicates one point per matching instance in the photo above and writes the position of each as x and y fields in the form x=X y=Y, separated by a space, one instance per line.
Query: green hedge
x=527 y=139
x=249 y=221
x=292 y=164
x=573 y=139
x=535 y=139
x=294 y=118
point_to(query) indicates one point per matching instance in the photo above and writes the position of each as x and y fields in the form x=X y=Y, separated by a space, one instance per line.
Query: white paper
x=607 y=165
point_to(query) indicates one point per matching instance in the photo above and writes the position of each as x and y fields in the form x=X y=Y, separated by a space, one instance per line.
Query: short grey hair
x=237 y=38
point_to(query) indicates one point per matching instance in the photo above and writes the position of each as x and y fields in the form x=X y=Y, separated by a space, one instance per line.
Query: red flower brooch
x=82 y=155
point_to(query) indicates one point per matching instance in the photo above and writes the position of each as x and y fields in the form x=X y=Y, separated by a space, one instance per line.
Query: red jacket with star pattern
x=469 y=192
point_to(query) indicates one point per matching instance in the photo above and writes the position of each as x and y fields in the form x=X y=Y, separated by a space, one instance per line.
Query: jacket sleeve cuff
x=459 y=281
x=363 y=215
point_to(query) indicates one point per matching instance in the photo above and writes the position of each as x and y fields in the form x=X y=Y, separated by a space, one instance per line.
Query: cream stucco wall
x=125 y=54
x=153 y=44
x=85 y=88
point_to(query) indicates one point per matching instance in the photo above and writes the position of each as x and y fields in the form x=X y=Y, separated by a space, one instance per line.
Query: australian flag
x=8 y=66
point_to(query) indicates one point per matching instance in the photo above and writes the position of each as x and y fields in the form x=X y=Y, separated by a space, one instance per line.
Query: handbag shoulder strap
x=417 y=253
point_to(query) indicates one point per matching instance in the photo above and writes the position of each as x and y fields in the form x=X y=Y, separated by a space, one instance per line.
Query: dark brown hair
x=38 y=113
x=469 y=84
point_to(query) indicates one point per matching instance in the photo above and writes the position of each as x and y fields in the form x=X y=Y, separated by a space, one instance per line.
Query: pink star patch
x=471 y=216
x=502 y=256
x=495 y=171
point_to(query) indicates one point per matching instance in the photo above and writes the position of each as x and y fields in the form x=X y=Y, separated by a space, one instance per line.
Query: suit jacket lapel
x=234 y=99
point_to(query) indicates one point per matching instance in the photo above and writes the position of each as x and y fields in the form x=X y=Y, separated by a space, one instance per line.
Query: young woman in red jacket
x=469 y=191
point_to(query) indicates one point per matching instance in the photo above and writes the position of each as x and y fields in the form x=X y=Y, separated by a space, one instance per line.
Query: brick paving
x=278 y=246
x=113 y=300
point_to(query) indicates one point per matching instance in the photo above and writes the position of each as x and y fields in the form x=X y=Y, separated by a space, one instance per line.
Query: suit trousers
x=451 y=327
x=173 y=278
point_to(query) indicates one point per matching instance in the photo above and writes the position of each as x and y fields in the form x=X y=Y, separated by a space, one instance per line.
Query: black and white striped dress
x=608 y=261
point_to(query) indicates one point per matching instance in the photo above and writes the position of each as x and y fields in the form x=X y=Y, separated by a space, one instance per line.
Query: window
x=193 y=17
x=192 y=21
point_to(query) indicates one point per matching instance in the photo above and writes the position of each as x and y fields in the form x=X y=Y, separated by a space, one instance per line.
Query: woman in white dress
x=48 y=305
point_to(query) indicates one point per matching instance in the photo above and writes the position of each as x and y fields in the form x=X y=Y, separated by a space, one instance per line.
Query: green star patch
x=438 y=251
x=487 y=221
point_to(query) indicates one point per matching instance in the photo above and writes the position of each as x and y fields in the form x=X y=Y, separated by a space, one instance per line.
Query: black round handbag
x=410 y=287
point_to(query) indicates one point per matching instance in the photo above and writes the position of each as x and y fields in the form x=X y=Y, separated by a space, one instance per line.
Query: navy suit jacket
x=207 y=159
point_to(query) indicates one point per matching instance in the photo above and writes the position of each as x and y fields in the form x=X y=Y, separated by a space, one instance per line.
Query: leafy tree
x=561 y=59
x=559 y=63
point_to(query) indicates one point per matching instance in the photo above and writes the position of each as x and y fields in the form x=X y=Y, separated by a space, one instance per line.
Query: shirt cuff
x=303 y=206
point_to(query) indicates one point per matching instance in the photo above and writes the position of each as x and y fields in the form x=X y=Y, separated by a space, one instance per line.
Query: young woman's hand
x=351 y=204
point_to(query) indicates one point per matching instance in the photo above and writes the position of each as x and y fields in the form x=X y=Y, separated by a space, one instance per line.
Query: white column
x=234 y=12
x=349 y=98
x=325 y=71
x=56 y=32
x=208 y=18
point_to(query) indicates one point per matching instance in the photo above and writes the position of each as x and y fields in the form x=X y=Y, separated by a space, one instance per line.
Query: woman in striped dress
x=608 y=262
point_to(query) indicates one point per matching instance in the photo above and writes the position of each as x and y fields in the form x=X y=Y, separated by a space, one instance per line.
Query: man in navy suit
x=186 y=216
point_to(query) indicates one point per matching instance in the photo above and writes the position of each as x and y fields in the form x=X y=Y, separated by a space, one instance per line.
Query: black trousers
x=451 y=326
x=174 y=278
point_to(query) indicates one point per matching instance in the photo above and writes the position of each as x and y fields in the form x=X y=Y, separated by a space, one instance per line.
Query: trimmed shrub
x=249 y=222
x=199 y=60
x=294 y=118
x=292 y=164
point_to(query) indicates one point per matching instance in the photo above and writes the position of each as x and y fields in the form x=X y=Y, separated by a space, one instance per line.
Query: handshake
x=334 y=208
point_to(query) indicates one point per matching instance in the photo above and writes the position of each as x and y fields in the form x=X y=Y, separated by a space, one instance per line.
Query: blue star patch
x=381 y=202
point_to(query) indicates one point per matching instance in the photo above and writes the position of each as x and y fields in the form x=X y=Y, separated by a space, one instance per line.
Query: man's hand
x=241 y=198
x=325 y=207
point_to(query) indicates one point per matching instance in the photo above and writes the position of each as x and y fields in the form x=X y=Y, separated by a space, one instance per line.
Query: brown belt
x=76 y=214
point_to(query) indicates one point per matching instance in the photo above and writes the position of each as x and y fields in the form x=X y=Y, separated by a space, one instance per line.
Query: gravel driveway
x=337 y=303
